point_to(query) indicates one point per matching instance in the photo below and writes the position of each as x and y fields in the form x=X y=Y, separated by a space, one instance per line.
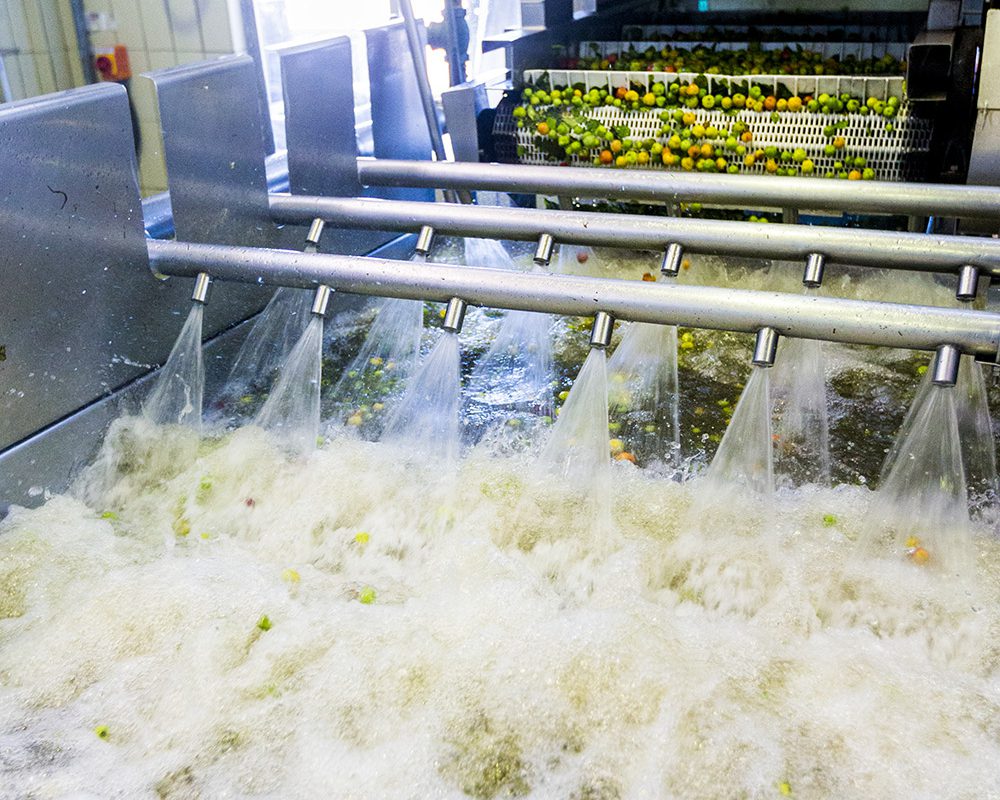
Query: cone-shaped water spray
x=176 y=397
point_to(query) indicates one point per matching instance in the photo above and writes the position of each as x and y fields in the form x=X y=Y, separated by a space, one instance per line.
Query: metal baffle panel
x=321 y=132
x=399 y=129
x=214 y=152
x=318 y=85
x=80 y=312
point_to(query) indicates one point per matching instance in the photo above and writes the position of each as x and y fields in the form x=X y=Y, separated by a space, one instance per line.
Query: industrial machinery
x=221 y=206
x=257 y=613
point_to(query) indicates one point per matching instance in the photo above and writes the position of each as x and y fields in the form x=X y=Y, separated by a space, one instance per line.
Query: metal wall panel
x=399 y=129
x=80 y=312
x=321 y=134
x=215 y=154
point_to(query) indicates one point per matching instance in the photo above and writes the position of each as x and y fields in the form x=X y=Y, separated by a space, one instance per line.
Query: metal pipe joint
x=765 y=348
x=454 y=315
x=968 y=283
x=812 y=276
x=543 y=252
x=424 y=241
x=321 y=300
x=946 y=361
x=670 y=266
x=600 y=333
x=202 y=284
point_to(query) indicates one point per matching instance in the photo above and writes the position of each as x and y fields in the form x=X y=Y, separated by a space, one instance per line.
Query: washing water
x=643 y=396
x=233 y=620
x=277 y=329
x=292 y=409
x=427 y=417
x=176 y=396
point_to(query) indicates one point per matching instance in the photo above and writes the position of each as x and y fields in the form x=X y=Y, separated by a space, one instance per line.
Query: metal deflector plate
x=214 y=150
x=321 y=132
x=80 y=312
x=399 y=129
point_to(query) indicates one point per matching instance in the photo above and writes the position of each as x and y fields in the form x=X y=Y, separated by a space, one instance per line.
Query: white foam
x=671 y=655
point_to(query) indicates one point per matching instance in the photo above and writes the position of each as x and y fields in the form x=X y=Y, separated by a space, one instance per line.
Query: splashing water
x=487 y=253
x=975 y=433
x=177 y=395
x=921 y=510
x=426 y=419
x=291 y=411
x=277 y=329
x=745 y=456
x=512 y=383
x=378 y=374
x=341 y=650
x=801 y=419
x=578 y=449
x=642 y=395
x=574 y=259
x=570 y=482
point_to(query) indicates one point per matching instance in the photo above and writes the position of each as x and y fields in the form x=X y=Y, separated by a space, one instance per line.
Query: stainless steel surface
x=765 y=347
x=984 y=160
x=318 y=84
x=753 y=191
x=790 y=216
x=928 y=65
x=49 y=458
x=462 y=105
x=80 y=312
x=968 y=283
x=6 y=95
x=216 y=169
x=202 y=283
x=454 y=315
x=804 y=316
x=321 y=300
x=399 y=128
x=600 y=332
x=425 y=240
x=929 y=253
x=812 y=276
x=416 y=45
x=946 y=361
x=315 y=232
x=321 y=131
x=543 y=250
x=214 y=152
x=670 y=266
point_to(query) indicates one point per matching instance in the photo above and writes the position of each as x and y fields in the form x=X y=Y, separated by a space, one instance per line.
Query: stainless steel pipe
x=765 y=347
x=202 y=284
x=673 y=257
x=602 y=330
x=926 y=199
x=913 y=251
x=804 y=316
x=945 y=368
